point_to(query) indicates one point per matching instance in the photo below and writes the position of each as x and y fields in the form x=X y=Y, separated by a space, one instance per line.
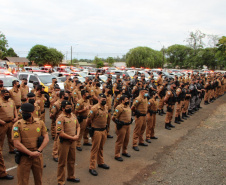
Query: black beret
x=27 y=107
x=102 y=95
x=4 y=91
x=30 y=95
x=64 y=103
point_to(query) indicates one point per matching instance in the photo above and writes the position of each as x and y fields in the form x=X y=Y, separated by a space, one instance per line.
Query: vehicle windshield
x=7 y=82
x=82 y=74
x=46 y=78
x=103 y=78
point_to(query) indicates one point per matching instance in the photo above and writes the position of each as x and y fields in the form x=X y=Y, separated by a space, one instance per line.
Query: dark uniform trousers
x=98 y=141
x=122 y=140
x=66 y=154
x=27 y=164
x=83 y=133
x=6 y=130
x=140 y=125
x=150 y=130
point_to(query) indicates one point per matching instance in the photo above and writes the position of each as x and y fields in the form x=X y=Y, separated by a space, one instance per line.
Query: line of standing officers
x=85 y=109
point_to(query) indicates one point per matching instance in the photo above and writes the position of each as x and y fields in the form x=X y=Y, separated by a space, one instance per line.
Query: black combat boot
x=163 y=112
x=176 y=120
x=170 y=125
x=179 y=119
x=167 y=126
x=190 y=112
x=160 y=113
x=199 y=106
x=184 y=116
x=206 y=103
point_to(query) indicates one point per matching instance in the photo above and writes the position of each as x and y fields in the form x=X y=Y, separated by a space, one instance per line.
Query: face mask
x=119 y=81
x=1 y=85
x=88 y=97
x=110 y=92
x=126 y=103
x=98 y=84
x=128 y=83
x=103 y=102
x=31 y=101
x=6 y=97
x=174 y=87
x=81 y=87
x=68 y=111
x=146 y=95
x=25 y=83
x=90 y=83
x=55 y=82
x=42 y=92
x=26 y=115
x=70 y=79
x=65 y=98
x=182 y=86
x=18 y=86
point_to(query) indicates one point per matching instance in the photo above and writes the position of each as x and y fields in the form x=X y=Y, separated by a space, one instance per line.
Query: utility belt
x=20 y=154
x=92 y=130
x=42 y=112
x=138 y=114
x=120 y=124
x=18 y=106
x=81 y=118
x=23 y=100
x=109 y=111
x=152 y=112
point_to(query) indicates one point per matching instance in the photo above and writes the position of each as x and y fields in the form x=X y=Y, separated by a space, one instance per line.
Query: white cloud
x=100 y=26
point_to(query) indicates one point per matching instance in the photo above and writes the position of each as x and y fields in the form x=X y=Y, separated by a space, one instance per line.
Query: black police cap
x=102 y=95
x=30 y=95
x=64 y=103
x=27 y=107
x=4 y=91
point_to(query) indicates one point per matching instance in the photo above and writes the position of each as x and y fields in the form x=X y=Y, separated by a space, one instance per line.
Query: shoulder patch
x=149 y=103
x=91 y=112
x=77 y=104
x=168 y=93
x=74 y=92
x=137 y=101
x=59 y=122
x=15 y=128
x=116 y=110
x=92 y=90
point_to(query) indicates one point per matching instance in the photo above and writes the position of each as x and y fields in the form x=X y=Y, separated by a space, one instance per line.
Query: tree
x=42 y=55
x=100 y=64
x=144 y=57
x=3 y=42
x=221 y=52
x=195 y=40
x=177 y=55
x=98 y=61
x=11 y=53
x=110 y=61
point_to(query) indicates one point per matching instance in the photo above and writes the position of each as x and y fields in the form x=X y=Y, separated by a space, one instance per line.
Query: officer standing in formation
x=85 y=107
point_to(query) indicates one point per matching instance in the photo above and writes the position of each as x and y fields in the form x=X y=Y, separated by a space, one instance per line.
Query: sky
x=105 y=27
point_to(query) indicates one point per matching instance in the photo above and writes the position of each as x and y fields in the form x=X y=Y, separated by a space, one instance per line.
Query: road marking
x=11 y=168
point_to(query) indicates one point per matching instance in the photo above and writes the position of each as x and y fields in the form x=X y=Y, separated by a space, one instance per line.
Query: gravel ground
x=198 y=159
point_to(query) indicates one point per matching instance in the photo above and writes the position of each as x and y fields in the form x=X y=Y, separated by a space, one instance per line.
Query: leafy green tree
x=98 y=61
x=42 y=55
x=221 y=52
x=3 y=42
x=177 y=55
x=11 y=53
x=110 y=61
x=53 y=57
x=100 y=64
x=144 y=57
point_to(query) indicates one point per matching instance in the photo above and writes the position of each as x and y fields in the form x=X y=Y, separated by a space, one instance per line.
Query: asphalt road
x=131 y=170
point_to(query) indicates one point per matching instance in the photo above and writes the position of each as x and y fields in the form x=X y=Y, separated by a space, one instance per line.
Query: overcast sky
x=107 y=27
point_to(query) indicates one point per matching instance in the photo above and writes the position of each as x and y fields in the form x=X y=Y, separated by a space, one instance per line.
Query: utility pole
x=71 y=55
